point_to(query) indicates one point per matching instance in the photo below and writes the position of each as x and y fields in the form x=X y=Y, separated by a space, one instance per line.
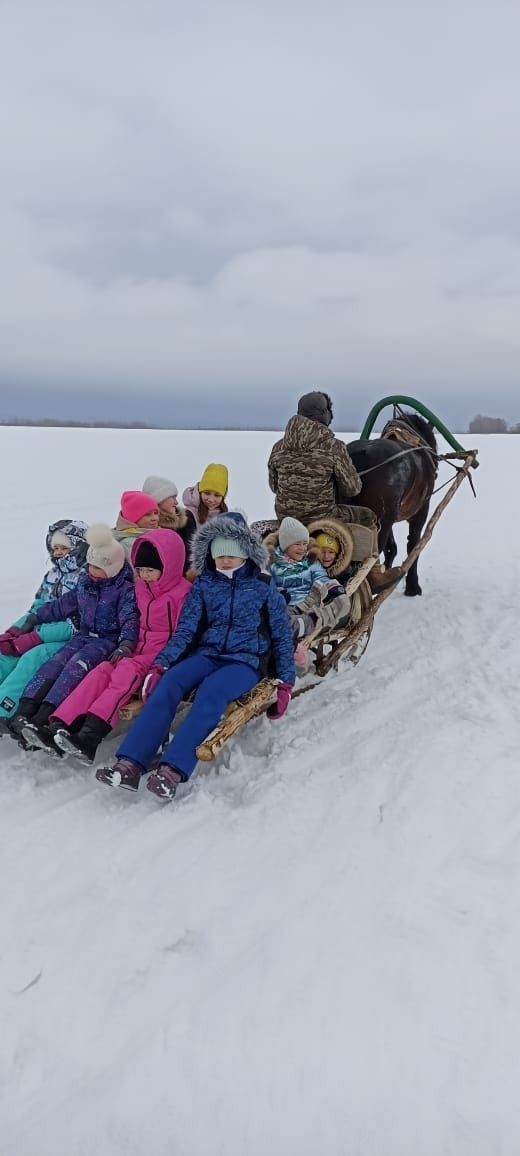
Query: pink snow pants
x=105 y=690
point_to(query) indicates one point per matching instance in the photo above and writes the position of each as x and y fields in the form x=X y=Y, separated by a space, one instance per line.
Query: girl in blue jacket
x=232 y=622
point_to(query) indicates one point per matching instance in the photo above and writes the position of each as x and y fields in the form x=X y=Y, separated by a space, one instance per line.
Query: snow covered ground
x=317 y=951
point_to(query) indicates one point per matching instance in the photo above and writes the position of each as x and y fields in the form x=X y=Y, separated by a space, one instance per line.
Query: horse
x=400 y=488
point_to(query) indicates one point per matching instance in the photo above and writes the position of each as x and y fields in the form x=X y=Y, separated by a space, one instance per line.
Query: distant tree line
x=488 y=425
x=58 y=422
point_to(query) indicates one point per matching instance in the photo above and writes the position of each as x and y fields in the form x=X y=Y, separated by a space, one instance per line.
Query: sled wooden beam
x=252 y=704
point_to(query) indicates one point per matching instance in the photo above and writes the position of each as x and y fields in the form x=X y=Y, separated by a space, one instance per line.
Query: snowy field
x=316 y=952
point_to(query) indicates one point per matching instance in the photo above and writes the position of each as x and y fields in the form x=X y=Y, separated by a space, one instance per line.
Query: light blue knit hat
x=222 y=547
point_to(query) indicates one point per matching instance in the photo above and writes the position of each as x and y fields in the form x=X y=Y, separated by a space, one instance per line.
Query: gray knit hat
x=159 y=488
x=292 y=531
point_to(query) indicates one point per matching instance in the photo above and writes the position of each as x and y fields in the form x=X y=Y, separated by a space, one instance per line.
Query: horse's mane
x=422 y=427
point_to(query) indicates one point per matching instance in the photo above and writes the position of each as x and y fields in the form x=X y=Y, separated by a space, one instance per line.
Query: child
x=139 y=513
x=21 y=655
x=88 y=714
x=230 y=622
x=333 y=545
x=206 y=499
x=105 y=608
x=171 y=515
x=304 y=582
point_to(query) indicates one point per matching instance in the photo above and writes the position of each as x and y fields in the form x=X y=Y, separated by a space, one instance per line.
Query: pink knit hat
x=135 y=504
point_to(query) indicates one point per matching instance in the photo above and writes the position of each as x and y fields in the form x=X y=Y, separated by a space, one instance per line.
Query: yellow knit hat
x=214 y=478
x=327 y=542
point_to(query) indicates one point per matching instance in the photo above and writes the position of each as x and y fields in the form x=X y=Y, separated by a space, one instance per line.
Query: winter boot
x=380 y=579
x=27 y=707
x=123 y=774
x=84 y=744
x=164 y=782
x=37 y=731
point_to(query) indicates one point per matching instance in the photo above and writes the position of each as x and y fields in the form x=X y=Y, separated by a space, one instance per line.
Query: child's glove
x=283 y=698
x=152 y=679
x=122 y=651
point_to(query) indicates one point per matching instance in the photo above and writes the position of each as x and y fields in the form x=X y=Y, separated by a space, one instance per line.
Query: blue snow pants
x=219 y=683
x=62 y=673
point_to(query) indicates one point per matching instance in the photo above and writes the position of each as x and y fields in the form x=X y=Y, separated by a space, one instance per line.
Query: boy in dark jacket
x=104 y=608
x=231 y=621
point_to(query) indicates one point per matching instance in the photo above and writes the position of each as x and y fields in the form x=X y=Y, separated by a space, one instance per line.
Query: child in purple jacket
x=104 y=609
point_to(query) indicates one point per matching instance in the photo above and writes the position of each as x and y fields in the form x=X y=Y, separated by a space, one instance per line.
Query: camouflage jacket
x=310 y=471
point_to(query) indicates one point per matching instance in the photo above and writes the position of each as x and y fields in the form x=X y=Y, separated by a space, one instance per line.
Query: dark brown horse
x=399 y=490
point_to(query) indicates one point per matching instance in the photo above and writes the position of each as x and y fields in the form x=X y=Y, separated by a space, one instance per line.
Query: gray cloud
x=238 y=197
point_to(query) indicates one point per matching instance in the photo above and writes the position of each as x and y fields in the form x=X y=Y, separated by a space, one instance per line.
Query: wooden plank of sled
x=241 y=712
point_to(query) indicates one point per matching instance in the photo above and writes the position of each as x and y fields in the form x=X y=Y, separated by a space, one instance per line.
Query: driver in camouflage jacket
x=311 y=472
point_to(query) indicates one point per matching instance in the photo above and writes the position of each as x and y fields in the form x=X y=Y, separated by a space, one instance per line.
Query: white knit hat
x=292 y=531
x=60 y=539
x=159 y=488
x=104 y=551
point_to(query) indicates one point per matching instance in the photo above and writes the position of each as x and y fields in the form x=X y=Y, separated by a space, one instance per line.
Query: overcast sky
x=208 y=208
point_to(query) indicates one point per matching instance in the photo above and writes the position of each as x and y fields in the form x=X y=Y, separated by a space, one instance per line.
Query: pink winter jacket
x=160 y=603
x=191 y=499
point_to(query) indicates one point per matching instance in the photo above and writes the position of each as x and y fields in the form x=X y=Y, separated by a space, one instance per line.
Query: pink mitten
x=7 y=646
x=7 y=638
x=283 y=698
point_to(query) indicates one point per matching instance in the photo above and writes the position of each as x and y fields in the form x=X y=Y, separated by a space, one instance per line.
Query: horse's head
x=423 y=427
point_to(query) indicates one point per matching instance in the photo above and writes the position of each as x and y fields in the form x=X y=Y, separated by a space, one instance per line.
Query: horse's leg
x=390 y=548
x=415 y=526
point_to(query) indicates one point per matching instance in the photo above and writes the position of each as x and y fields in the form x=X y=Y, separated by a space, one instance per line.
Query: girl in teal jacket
x=21 y=655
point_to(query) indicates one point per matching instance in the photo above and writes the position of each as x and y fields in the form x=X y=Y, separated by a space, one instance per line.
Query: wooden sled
x=349 y=642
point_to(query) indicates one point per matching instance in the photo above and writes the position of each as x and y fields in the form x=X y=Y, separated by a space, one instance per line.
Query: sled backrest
x=364 y=539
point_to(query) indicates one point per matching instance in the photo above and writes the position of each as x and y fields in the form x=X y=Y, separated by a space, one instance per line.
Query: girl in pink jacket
x=92 y=710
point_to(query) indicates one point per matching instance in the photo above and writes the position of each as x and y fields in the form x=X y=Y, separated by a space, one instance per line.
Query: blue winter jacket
x=239 y=619
x=295 y=579
x=103 y=609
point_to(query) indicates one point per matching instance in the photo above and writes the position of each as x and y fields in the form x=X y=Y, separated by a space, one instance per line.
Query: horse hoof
x=413 y=592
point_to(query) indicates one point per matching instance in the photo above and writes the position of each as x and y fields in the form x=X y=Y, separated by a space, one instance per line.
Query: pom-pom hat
x=103 y=550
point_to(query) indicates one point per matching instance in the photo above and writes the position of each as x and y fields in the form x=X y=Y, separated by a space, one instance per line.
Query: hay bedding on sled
x=329 y=649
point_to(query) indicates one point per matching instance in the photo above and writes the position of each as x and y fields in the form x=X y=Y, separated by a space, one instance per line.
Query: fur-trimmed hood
x=176 y=521
x=227 y=526
x=346 y=546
